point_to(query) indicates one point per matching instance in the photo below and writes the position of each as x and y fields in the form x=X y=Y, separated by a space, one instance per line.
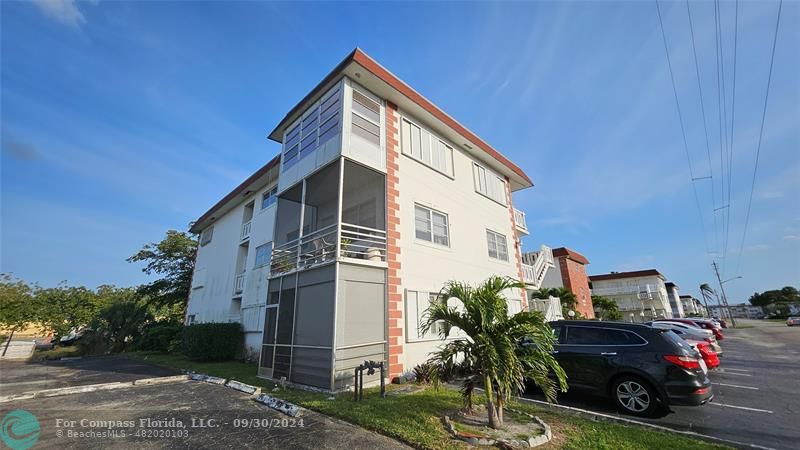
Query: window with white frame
x=206 y=235
x=489 y=184
x=431 y=226
x=498 y=246
x=417 y=304
x=423 y=146
x=268 y=198
x=263 y=254
x=366 y=118
x=318 y=125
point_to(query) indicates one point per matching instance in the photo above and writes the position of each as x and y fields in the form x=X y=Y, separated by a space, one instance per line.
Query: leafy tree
x=17 y=306
x=492 y=352
x=607 y=308
x=567 y=298
x=62 y=308
x=173 y=260
x=787 y=294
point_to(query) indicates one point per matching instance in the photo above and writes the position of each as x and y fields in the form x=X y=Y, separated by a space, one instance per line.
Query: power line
x=760 y=134
x=733 y=121
x=722 y=108
x=680 y=120
x=703 y=111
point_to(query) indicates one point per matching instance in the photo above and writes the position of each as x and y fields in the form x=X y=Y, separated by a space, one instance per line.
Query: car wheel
x=635 y=396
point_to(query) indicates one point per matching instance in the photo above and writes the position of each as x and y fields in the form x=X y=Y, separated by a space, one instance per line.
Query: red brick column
x=517 y=244
x=393 y=284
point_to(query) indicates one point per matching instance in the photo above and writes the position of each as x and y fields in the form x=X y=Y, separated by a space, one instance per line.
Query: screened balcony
x=338 y=213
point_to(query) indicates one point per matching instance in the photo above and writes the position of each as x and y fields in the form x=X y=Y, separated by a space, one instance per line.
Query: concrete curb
x=596 y=416
x=70 y=390
x=160 y=380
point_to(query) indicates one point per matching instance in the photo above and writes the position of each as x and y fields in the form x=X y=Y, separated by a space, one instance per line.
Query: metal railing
x=363 y=243
x=355 y=242
x=519 y=220
x=238 y=284
x=246 y=229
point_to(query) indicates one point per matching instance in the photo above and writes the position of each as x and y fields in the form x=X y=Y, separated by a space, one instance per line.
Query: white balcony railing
x=355 y=242
x=238 y=284
x=535 y=266
x=642 y=291
x=520 y=222
x=528 y=275
x=246 y=229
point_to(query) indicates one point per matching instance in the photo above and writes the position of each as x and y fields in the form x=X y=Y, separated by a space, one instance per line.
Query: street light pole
x=724 y=297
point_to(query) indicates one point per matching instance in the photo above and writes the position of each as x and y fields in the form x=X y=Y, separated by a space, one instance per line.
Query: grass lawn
x=415 y=418
x=56 y=353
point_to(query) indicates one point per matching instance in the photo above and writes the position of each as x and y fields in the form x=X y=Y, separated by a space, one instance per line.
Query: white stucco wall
x=426 y=266
x=215 y=270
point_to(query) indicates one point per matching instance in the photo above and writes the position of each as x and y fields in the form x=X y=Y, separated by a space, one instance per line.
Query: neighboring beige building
x=641 y=295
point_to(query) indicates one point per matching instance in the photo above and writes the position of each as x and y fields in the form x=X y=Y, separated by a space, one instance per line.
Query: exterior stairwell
x=535 y=266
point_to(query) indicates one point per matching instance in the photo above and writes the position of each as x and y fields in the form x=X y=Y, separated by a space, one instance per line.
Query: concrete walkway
x=17 y=350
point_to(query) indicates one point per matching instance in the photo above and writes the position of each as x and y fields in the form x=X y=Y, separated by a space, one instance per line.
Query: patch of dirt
x=405 y=390
x=476 y=424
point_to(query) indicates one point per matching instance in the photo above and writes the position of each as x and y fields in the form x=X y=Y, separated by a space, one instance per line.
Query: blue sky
x=122 y=120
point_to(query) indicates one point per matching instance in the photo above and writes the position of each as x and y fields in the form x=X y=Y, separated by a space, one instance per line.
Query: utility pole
x=724 y=297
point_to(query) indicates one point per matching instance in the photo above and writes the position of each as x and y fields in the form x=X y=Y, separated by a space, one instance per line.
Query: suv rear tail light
x=701 y=391
x=686 y=362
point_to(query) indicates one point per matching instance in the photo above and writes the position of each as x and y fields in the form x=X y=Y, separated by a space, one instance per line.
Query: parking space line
x=736 y=386
x=737 y=370
x=742 y=407
x=733 y=373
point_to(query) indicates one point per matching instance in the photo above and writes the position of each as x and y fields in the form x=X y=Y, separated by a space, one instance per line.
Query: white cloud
x=769 y=195
x=756 y=248
x=64 y=11
x=792 y=237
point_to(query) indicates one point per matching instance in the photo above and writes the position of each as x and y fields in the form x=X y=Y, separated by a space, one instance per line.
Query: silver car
x=689 y=332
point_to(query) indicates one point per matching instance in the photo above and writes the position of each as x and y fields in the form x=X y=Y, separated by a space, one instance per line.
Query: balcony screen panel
x=286 y=316
x=314 y=315
x=364 y=197
x=287 y=223
x=270 y=321
x=267 y=353
x=322 y=199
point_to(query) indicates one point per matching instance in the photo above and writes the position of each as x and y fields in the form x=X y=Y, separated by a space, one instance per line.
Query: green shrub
x=121 y=325
x=93 y=343
x=159 y=336
x=212 y=341
x=426 y=373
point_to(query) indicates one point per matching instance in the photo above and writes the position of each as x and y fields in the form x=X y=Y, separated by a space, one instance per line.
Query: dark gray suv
x=643 y=369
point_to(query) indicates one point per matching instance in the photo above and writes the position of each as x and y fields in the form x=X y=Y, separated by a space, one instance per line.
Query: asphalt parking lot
x=21 y=376
x=185 y=414
x=756 y=390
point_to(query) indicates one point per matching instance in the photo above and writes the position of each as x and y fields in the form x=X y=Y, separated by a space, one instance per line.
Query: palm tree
x=492 y=352
x=708 y=292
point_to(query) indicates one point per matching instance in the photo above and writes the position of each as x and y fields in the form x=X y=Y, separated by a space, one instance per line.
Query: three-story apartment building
x=336 y=248
x=640 y=295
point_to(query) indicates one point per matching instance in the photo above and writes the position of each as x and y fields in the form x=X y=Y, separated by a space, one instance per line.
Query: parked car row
x=643 y=368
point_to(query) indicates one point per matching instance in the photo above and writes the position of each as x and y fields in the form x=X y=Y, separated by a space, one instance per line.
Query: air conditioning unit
x=645 y=295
